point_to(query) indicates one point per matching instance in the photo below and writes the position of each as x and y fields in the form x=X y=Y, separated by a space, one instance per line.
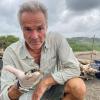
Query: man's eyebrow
x=40 y=25
x=27 y=27
x=30 y=27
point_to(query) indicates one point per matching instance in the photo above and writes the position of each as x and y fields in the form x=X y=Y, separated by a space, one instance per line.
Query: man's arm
x=8 y=88
x=69 y=65
x=43 y=85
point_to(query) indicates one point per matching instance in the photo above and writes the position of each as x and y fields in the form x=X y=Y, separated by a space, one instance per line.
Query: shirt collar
x=46 y=44
x=24 y=52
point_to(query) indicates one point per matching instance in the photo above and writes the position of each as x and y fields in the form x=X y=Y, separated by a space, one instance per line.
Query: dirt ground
x=93 y=89
x=89 y=55
x=93 y=86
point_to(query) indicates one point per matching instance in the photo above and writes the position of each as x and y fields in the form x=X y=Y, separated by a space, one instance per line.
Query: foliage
x=7 y=40
x=84 y=44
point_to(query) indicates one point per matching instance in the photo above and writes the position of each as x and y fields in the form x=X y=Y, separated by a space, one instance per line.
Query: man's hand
x=39 y=91
x=43 y=85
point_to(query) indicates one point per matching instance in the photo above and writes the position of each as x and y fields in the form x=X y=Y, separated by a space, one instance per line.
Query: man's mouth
x=35 y=42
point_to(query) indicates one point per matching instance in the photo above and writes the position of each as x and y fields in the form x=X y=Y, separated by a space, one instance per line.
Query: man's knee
x=76 y=87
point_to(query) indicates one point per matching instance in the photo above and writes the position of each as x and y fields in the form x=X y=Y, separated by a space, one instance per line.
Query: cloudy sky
x=72 y=18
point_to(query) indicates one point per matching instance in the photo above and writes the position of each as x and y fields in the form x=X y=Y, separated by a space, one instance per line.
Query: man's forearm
x=14 y=93
x=48 y=80
x=43 y=85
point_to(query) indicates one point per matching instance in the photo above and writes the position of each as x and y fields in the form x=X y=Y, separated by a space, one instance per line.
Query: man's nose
x=34 y=34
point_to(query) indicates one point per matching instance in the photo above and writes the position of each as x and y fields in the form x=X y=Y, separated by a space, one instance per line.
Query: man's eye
x=27 y=29
x=40 y=28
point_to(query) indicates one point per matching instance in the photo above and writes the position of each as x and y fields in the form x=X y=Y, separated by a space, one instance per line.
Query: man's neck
x=34 y=51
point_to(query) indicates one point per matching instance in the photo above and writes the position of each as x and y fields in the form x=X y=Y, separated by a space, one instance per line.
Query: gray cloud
x=55 y=8
x=8 y=16
x=82 y=5
x=69 y=17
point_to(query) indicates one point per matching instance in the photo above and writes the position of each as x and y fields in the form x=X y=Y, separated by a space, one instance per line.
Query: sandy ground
x=93 y=86
x=93 y=89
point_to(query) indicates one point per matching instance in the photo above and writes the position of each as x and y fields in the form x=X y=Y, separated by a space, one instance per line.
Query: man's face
x=34 y=28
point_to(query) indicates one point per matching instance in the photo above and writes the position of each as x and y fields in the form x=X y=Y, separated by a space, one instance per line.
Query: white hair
x=32 y=6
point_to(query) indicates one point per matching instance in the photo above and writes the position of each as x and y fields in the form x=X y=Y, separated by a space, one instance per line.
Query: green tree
x=5 y=41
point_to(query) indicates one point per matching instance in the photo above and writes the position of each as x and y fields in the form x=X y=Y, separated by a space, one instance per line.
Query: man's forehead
x=30 y=15
x=31 y=18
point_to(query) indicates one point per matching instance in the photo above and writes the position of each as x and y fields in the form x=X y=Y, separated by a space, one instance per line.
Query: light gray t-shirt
x=57 y=58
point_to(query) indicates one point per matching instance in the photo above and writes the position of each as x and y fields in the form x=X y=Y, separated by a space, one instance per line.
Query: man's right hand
x=14 y=93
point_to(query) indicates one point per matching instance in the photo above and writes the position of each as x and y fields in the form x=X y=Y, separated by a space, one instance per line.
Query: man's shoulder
x=54 y=39
x=16 y=45
x=54 y=35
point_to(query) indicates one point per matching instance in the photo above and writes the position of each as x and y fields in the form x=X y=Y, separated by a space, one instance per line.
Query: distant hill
x=84 y=43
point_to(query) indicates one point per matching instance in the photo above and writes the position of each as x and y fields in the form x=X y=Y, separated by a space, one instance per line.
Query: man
x=48 y=53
